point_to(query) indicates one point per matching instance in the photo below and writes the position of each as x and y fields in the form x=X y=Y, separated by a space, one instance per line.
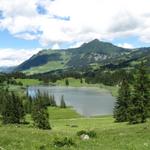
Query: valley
x=74 y=75
x=88 y=80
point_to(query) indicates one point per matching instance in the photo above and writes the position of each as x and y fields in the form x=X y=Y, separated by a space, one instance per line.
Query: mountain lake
x=86 y=101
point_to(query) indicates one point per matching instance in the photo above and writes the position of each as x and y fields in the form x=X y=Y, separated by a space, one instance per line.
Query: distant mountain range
x=6 y=69
x=95 y=53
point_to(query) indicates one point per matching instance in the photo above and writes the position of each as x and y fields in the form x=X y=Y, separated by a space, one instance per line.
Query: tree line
x=133 y=101
x=13 y=108
x=102 y=75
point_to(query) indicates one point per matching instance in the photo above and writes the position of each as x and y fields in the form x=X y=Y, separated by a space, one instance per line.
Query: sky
x=27 y=26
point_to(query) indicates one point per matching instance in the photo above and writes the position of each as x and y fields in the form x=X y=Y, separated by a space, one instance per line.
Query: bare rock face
x=84 y=137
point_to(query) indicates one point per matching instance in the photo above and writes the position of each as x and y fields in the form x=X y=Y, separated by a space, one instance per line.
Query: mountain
x=95 y=53
x=6 y=69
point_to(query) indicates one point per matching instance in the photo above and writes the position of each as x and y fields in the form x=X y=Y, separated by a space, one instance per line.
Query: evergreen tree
x=81 y=80
x=41 y=98
x=40 y=115
x=2 y=98
x=67 y=82
x=62 y=102
x=13 y=111
x=122 y=103
x=28 y=104
x=53 y=102
x=140 y=103
x=45 y=98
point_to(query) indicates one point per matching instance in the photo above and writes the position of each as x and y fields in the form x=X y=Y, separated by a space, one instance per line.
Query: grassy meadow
x=66 y=123
x=29 y=82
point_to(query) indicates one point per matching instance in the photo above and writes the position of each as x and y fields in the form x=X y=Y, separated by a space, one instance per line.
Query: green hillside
x=66 y=123
x=93 y=54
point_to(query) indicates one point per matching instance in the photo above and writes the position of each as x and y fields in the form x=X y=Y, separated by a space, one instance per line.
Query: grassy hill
x=66 y=123
x=88 y=54
x=92 y=54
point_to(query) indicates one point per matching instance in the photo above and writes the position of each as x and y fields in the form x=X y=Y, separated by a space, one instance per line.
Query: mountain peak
x=94 y=51
x=100 y=47
x=98 y=43
x=95 y=40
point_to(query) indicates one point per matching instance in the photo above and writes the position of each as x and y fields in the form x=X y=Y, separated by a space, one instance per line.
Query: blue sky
x=29 y=26
x=9 y=41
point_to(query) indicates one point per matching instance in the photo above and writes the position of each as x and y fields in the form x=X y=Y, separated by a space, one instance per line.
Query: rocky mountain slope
x=94 y=53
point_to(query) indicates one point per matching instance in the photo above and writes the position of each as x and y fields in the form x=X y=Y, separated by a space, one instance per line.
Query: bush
x=42 y=147
x=79 y=133
x=91 y=133
x=63 y=142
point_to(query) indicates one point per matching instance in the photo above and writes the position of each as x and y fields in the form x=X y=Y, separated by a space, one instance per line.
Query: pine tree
x=67 y=82
x=45 y=98
x=40 y=115
x=2 y=98
x=62 y=102
x=53 y=102
x=13 y=111
x=122 y=103
x=81 y=80
x=140 y=102
x=28 y=104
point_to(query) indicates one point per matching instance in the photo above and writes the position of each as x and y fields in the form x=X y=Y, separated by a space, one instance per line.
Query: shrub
x=79 y=133
x=63 y=142
x=42 y=147
x=91 y=133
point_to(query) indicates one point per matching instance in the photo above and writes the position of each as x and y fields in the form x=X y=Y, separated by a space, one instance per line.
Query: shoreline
x=100 y=89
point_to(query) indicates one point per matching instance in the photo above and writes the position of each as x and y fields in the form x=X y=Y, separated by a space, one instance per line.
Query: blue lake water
x=86 y=101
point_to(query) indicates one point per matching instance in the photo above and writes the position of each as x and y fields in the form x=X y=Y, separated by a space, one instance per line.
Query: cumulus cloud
x=26 y=36
x=126 y=45
x=13 y=57
x=125 y=22
x=55 y=47
x=74 y=21
x=75 y=45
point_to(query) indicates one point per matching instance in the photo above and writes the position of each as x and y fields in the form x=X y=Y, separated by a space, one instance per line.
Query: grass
x=29 y=82
x=66 y=113
x=110 y=135
x=72 y=82
x=112 y=89
x=76 y=83
x=53 y=65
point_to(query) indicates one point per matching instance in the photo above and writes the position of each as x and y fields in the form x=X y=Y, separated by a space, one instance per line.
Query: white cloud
x=78 y=44
x=89 y=19
x=13 y=57
x=55 y=47
x=126 y=45
x=26 y=36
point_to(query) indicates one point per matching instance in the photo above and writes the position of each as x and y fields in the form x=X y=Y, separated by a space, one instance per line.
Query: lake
x=86 y=101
